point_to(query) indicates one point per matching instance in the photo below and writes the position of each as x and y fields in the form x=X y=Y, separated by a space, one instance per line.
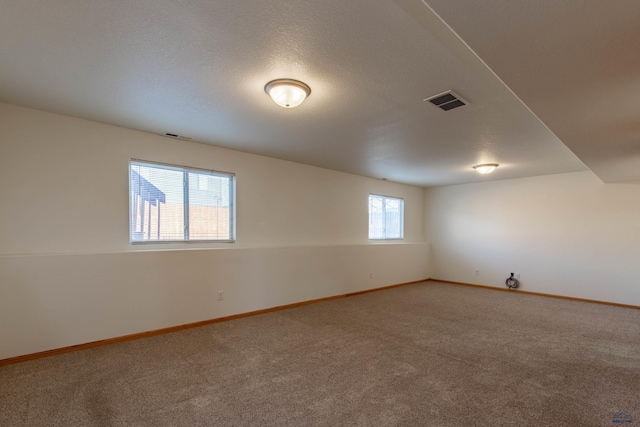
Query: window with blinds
x=386 y=217
x=172 y=203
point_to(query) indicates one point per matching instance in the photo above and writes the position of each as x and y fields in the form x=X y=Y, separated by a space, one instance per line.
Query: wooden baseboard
x=494 y=288
x=366 y=291
x=62 y=350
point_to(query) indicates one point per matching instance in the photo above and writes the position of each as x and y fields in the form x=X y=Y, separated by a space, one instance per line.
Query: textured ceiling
x=575 y=64
x=198 y=69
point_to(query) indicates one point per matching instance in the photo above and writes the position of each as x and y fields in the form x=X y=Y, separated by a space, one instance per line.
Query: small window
x=173 y=204
x=386 y=217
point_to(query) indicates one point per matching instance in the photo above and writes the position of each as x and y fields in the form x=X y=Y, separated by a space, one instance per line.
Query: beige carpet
x=429 y=354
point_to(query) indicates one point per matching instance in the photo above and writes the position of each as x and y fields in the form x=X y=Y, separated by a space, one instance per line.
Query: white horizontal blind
x=386 y=217
x=173 y=203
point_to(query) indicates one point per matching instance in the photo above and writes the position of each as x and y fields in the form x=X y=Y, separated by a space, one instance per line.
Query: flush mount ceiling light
x=486 y=168
x=287 y=93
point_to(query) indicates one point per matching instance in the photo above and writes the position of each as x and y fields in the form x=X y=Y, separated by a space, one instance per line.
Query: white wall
x=567 y=234
x=68 y=274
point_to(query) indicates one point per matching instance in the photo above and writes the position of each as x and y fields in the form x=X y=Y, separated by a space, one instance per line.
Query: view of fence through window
x=170 y=203
x=386 y=217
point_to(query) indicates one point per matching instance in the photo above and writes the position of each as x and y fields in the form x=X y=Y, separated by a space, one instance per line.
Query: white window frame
x=384 y=199
x=186 y=170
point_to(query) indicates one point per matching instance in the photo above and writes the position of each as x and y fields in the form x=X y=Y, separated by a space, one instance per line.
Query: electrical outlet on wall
x=477 y=272
x=516 y=275
x=370 y=275
x=220 y=295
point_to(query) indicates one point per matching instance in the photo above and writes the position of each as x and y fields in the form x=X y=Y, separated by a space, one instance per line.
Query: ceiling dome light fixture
x=486 y=168
x=287 y=93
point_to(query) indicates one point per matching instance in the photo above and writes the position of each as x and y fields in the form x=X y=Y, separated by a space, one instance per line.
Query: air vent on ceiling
x=175 y=135
x=447 y=100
